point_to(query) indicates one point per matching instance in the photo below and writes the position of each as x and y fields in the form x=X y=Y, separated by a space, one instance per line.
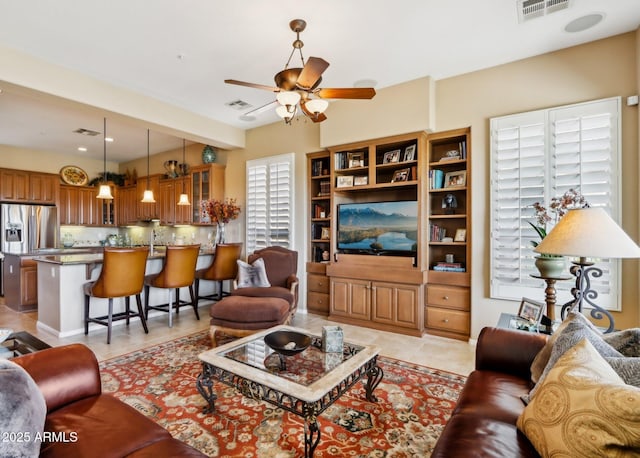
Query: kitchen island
x=61 y=297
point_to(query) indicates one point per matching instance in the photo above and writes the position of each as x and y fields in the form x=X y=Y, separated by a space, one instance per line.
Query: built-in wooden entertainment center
x=427 y=290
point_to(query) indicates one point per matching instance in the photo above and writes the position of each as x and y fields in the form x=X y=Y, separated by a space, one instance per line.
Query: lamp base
x=582 y=292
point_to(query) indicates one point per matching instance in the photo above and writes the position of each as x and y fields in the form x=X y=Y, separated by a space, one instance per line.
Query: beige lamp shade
x=588 y=233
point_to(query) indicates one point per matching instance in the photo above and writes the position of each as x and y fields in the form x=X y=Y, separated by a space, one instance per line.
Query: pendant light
x=105 y=189
x=147 y=197
x=184 y=198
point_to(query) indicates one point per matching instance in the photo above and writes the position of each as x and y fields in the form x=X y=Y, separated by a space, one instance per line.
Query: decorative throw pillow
x=252 y=274
x=628 y=368
x=583 y=408
x=22 y=412
x=542 y=358
x=626 y=342
x=577 y=328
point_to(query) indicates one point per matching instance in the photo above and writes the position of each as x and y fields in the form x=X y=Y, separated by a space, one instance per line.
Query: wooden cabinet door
x=43 y=188
x=29 y=280
x=147 y=211
x=167 y=201
x=14 y=185
x=207 y=182
x=183 y=212
x=340 y=296
x=396 y=304
x=86 y=206
x=127 y=204
x=407 y=306
x=360 y=299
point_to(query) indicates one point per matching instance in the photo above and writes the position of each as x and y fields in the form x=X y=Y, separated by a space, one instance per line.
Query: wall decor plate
x=73 y=175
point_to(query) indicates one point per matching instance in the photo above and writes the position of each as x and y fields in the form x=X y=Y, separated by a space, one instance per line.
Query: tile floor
x=436 y=352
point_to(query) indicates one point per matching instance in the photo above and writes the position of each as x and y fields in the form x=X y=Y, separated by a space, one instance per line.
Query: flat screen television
x=378 y=228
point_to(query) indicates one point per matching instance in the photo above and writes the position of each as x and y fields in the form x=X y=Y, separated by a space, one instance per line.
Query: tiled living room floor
x=436 y=352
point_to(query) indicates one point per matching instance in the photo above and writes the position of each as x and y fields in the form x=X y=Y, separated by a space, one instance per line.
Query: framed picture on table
x=531 y=310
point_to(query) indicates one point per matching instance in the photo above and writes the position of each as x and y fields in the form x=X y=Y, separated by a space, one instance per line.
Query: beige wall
x=596 y=70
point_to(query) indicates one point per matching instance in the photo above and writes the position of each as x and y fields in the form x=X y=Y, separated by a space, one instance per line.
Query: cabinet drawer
x=318 y=302
x=448 y=320
x=318 y=283
x=448 y=296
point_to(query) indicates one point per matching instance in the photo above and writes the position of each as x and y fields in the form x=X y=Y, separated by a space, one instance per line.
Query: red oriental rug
x=414 y=403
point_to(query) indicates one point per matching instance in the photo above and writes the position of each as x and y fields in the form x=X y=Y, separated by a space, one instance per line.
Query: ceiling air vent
x=531 y=9
x=87 y=132
x=238 y=105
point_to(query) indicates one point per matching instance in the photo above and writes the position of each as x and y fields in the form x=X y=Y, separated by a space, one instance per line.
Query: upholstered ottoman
x=240 y=316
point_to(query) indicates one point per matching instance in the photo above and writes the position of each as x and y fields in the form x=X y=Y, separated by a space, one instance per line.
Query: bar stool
x=122 y=275
x=223 y=267
x=178 y=271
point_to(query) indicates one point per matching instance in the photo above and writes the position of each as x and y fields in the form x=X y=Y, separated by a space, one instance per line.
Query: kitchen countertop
x=74 y=257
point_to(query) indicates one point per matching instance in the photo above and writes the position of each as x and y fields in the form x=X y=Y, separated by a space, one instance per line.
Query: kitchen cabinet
x=21 y=283
x=28 y=187
x=127 y=204
x=170 y=211
x=79 y=206
x=207 y=182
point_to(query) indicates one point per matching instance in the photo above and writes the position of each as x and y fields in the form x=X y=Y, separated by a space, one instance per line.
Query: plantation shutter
x=269 y=202
x=540 y=155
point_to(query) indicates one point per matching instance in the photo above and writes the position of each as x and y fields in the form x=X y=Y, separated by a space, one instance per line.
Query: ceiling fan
x=299 y=86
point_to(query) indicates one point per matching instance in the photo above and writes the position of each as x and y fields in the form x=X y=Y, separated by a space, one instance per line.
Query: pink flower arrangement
x=220 y=211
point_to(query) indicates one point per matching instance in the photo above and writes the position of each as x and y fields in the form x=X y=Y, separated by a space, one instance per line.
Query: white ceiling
x=182 y=51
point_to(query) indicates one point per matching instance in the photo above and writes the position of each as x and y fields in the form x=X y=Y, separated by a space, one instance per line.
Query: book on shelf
x=325 y=188
x=436 y=179
x=448 y=269
x=449 y=264
x=436 y=233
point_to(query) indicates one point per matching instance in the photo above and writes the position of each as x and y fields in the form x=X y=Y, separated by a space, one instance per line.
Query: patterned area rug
x=414 y=403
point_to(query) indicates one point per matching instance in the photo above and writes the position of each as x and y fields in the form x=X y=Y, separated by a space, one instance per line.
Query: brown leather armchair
x=281 y=266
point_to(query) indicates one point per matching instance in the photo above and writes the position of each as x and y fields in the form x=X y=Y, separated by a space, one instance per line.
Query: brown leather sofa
x=86 y=421
x=483 y=422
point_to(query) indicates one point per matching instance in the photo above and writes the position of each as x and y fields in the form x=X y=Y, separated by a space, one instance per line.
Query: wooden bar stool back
x=122 y=275
x=177 y=272
x=224 y=267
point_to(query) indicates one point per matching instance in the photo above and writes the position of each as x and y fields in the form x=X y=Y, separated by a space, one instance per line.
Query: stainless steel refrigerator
x=26 y=228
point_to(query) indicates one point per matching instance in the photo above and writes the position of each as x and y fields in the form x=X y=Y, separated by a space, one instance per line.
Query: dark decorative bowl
x=281 y=342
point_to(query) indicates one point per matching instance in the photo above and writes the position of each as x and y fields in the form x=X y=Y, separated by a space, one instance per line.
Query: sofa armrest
x=508 y=350
x=64 y=374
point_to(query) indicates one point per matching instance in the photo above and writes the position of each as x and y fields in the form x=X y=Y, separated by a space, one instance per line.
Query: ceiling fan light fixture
x=316 y=106
x=284 y=112
x=288 y=98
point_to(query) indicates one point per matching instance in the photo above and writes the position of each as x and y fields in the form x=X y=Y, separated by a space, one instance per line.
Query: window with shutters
x=539 y=155
x=269 y=207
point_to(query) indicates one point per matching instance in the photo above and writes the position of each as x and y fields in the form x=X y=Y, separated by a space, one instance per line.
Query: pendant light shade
x=184 y=198
x=105 y=189
x=147 y=197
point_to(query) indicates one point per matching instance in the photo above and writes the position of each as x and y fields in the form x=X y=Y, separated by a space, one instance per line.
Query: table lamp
x=588 y=233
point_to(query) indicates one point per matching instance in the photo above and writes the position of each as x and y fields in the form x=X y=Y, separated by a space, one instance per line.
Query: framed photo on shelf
x=409 y=153
x=456 y=179
x=391 y=156
x=531 y=310
x=360 y=180
x=324 y=235
x=345 y=181
x=355 y=160
x=401 y=175
x=461 y=235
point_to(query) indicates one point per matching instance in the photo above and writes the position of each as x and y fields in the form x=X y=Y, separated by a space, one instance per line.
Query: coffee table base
x=305 y=409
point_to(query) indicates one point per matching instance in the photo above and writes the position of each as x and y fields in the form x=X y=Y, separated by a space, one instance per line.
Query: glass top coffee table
x=304 y=384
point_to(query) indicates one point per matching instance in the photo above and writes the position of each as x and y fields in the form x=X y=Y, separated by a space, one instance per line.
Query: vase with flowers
x=551 y=265
x=220 y=212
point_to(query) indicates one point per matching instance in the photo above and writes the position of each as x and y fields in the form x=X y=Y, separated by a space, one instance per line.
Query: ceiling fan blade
x=319 y=118
x=311 y=72
x=255 y=86
x=347 y=93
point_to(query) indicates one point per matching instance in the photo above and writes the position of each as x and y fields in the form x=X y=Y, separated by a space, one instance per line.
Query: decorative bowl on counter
x=287 y=343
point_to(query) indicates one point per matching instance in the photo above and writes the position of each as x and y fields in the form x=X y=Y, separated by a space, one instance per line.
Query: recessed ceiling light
x=584 y=22
x=82 y=148
x=108 y=139
x=367 y=82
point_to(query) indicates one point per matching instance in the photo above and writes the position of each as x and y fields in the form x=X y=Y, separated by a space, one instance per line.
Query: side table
x=21 y=343
x=550 y=293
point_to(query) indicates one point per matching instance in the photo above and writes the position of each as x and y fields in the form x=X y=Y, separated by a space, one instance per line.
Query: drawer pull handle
x=446 y=320
x=446 y=298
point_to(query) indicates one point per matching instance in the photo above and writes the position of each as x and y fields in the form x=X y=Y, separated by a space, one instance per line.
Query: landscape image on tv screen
x=378 y=227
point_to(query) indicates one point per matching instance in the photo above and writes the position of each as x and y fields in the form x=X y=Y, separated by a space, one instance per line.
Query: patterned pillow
x=626 y=342
x=577 y=328
x=583 y=408
x=251 y=275
x=542 y=358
